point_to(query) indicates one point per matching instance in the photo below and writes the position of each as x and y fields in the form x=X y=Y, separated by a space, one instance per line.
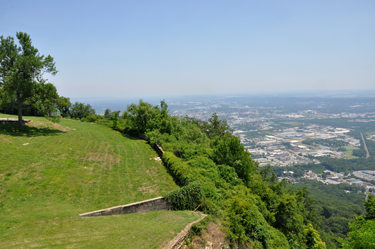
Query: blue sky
x=161 y=48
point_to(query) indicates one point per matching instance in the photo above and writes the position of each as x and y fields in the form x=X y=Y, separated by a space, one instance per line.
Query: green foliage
x=187 y=197
x=43 y=102
x=81 y=110
x=107 y=113
x=54 y=119
x=362 y=234
x=64 y=105
x=115 y=118
x=22 y=68
x=289 y=220
x=246 y=223
x=93 y=118
x=335 y=208
x=45 y=99
x=179 y=170
x=140 y=115
x=228 y=150
x=359 y=153
x=218 y=127
x=229 y=175
x=342 y=149
x=370 y=207
x=214 y=127
x=313 y=238
x=362 y=229
x=197 y=228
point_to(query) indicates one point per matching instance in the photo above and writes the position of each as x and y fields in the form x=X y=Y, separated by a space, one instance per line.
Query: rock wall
x=159 y=150
x=155 y=204
x=179 y=240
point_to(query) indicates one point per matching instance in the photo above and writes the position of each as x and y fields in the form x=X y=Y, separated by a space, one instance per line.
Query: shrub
x=93 y=117
x=186 y=198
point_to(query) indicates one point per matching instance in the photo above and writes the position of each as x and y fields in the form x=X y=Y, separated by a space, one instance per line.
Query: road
x=364 y=144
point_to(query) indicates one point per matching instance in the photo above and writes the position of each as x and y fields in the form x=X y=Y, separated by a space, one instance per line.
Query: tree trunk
x=19 y=102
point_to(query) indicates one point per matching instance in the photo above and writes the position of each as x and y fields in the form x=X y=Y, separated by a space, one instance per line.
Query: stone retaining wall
x=179 y=240
x=155 y=204
x=159 y=150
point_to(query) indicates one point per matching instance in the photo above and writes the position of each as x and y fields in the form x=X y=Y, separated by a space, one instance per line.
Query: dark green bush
x=186 y=198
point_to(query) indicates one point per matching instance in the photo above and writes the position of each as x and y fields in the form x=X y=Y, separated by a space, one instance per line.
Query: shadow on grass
x=131 y=137
x=28 y=131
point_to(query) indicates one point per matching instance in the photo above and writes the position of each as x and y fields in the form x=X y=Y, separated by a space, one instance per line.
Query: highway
x=364 y=144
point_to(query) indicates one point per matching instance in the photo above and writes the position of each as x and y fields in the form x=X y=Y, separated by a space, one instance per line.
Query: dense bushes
x=246 y=222
x=186 y=198
x=362 y=229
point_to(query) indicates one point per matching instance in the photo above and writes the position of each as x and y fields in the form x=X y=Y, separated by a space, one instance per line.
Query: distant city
x=283 y=132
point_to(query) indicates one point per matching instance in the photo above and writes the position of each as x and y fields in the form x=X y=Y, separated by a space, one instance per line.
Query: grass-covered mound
x=50 y=173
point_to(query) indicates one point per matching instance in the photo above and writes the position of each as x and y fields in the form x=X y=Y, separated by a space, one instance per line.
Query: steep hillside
x=50 y=173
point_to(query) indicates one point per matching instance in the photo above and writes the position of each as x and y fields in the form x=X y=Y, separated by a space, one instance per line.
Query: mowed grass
x=348 y=154
x=51 y=173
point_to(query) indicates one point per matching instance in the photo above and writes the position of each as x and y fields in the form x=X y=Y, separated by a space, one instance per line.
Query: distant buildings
x=311 y=175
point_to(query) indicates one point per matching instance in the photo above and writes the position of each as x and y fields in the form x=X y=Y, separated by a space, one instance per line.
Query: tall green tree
x=44 y=99
x=228 y=150
x=81 y=110
x=22 y=68
x=370 y=207
x=218 y=126
x=141 y=114
x=64 y=105
x=107 y=114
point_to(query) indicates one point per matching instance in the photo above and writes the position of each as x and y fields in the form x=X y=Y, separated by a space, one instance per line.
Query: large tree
x=81 y=110
x=64 y=105
x=22 y=68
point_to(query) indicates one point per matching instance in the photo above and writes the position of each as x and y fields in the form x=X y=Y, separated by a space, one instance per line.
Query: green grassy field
x=51 y=173
x=349 y=151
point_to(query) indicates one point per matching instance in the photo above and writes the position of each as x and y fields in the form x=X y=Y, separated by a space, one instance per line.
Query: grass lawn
x=51 y=173
x=349 y=152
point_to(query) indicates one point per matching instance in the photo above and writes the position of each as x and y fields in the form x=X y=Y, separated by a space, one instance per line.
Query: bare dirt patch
x=152 y=171
x=149 y=189
x=101 y=157
x=212 y=238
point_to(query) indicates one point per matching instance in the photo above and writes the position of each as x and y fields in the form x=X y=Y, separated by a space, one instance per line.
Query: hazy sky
x=155 y=48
